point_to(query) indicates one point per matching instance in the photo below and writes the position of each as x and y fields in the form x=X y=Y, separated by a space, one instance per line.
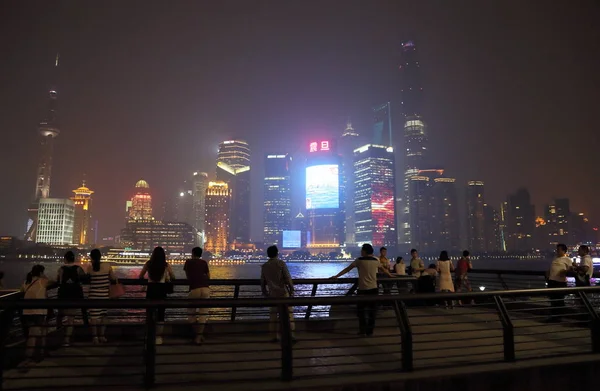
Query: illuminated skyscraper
x=233 y=167
x=374 y=195
x=141 y=202
x=348 y=143
x=557 y=222
x=55 y=221
x=445 y=222
x=494 y=240
x=382 y=125
x=414 y=128
x=83 y=202
x=419 y=200
x=199 y=186
x=476 y=217
x=278 y=198
x=519 y=222
x=48 y=130
x=218 y=199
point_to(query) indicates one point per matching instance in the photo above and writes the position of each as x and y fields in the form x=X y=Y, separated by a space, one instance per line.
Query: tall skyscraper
x=48 y=130
x=476 y=217
x=445 y=222
x=277 y=198
x=233 y=167
x=494 y=240
x=414 y=128
x=83 y=203
x=141 y=202
x=217 y=222
x=56 y=219
x=519 y=222
x=420 y=203
x=374 y=195
x=382 y=125
x=558 y=222
x=199 y=186
x=349 y=141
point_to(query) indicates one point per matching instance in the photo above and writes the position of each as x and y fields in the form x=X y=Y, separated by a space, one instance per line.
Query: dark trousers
x=557 y=300
x=367 y=312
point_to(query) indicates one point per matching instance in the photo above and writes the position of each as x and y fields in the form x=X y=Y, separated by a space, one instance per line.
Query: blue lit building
x=277 y=198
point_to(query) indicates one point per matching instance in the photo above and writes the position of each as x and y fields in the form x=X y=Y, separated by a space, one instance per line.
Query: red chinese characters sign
x=317 y=146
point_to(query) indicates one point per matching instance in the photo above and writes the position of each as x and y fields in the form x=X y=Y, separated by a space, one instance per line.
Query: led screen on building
x=292 y=239
x=322 y=186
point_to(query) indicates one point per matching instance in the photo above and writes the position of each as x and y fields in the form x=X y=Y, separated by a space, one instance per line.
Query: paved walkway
x=466 y=336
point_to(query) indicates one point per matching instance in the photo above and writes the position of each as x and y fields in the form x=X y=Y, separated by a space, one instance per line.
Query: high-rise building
x=83 y=203
x=324 y=199
x=48 y=130
x=217 y=222
x=277 y=198
x=413 y=128
x=420 y=203
x=233 y=167
x=141 y=202
x=199 y=186
x=184 y=204
x=374 y=195
x=519 y=222
x=477 y=241
x=445 y=222
x=56 y=218
x=349 y=141
x=145 y=235
x=557 y=222
x=494 y=240
x=382 y=125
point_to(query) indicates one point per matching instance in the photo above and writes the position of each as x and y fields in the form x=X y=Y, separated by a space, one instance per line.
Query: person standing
x=159 y=274
x=385 y=265
x=69 y=277
x=400 y=267
x=198 y=276
x=275 y=281
x=461 y=277
x=101 y=274
x=416 y=264
x=585 y=268
x=368 y=266
x=35 y=287
x=445 y=268
x=557 y=278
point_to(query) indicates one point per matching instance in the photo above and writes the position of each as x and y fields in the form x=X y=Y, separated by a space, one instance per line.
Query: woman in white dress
x=445 y=268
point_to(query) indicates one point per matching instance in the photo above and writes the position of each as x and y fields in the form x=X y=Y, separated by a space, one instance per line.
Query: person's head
x=413 y=253
x=444 y=256
x=196 y=252
x=561 y=249
x=69 y=257
x=432 y=266
x=272 y=252
x=383 y=251
x=466 y=253
x=157 y=264
x=583 y=250
x=366 y=249
x=399 y=260
x=95 y=256
x=36 y=271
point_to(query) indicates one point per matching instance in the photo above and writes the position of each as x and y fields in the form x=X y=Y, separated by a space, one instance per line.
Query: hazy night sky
x=147 y=89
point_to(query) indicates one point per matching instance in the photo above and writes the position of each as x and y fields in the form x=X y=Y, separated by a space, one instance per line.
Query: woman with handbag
x=160 y=283
x=35 y=287
x=101 y=275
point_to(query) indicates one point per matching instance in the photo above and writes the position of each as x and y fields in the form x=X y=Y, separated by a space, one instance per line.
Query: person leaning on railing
x=275 y=281
x=557 y=278
x=70 y=277
x=101 y=274
x=198 y=275
x=585 y=269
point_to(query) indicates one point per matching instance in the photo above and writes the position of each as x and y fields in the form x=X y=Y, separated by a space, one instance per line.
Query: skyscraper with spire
x=349 y=141
x=48 y=130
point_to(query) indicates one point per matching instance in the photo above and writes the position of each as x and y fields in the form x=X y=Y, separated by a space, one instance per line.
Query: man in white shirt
x=368 y=265
x=585 y=268
x=557 y=278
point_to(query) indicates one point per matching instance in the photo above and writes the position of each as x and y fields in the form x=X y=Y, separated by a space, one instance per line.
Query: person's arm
x=288 y=279
x=451 y=267
x=437 y=266
x=346 y=270
x=385 y=271
x=263 y=283
x=421 y=266
x=144 y=271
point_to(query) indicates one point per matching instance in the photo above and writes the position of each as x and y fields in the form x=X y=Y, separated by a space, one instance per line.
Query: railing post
x=502 y=282
x=405 y=335
x=508 y=330
x=286 y=343
x=150 y=348
x=236 y=294
x=313 y=293
x=6 y=319
x=594 y=323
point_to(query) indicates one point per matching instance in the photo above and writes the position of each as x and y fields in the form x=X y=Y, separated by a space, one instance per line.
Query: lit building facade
x=558 y=222
x=56 y=219
x=145 y=235
x=48 y=130
x=141 y=202
x=277 y=198
x=199 y=186
x=519 y=222
x=476 y=217
x=420 y=203
x=218 y=206
x=494 y=238
x=324 y=199
x=382 y=125
x=82 y=200
x=445 y=222
x=233 y=167
x=374 y=195
x=349 y=141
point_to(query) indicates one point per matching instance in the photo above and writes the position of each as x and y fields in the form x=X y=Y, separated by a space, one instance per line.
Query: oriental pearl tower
x=48 y=130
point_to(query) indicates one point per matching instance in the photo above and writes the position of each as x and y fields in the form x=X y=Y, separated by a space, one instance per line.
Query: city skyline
x=83 y=122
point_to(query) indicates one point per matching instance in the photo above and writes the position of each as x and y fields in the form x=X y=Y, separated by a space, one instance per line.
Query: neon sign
x=319 y=146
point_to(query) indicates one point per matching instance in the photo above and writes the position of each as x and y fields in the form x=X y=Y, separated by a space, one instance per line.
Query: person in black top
x=70 y=277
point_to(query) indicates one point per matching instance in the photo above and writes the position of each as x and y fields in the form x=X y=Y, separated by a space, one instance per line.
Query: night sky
x=147 y=89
